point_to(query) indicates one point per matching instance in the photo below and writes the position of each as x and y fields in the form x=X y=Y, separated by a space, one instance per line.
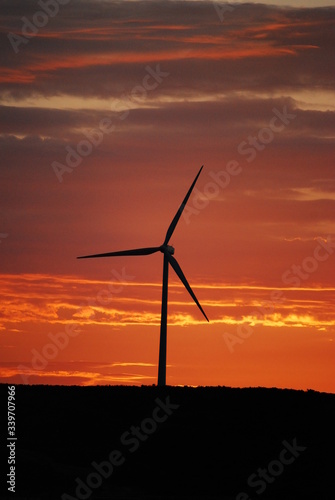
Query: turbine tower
x=168 y=252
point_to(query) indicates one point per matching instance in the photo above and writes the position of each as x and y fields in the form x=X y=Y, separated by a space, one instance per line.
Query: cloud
x=59 y=301
x=73 y=373
x=109 y=45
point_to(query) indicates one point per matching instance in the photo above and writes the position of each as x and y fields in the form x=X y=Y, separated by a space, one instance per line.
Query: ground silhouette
x=118 y=442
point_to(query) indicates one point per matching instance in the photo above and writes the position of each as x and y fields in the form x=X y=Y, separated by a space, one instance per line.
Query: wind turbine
x=168 y=252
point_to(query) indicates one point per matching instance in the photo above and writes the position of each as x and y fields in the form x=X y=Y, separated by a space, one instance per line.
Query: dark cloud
x=104 y=51
x=235 y=117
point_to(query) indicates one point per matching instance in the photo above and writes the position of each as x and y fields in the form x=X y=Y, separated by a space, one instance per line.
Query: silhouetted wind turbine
x=168 y=252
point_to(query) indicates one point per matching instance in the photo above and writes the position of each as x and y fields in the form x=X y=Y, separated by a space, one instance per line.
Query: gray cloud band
x=94 y=137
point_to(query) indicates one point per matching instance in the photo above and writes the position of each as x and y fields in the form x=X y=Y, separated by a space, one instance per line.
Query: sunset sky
x=108 y=110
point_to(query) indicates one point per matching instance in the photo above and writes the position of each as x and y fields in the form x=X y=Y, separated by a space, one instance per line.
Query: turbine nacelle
x=167 y=249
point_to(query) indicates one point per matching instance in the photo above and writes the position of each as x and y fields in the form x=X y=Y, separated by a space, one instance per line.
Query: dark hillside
x=174 y=442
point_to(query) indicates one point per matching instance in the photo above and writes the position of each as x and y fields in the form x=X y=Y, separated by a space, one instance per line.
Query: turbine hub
x=167 y=249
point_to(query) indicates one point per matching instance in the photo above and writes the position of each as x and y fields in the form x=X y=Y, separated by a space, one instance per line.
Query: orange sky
x=105 y=120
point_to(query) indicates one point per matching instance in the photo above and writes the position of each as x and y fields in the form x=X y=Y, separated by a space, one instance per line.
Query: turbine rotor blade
x=180 y=210
x=137 y=251
x=182 y=278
